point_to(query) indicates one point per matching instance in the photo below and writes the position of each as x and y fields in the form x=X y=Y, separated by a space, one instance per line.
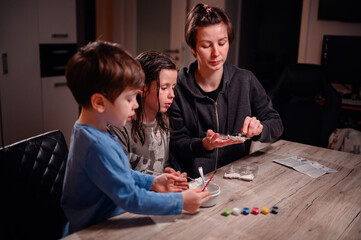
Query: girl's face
x=168 y=81
x=212 y=46
x=123 y=107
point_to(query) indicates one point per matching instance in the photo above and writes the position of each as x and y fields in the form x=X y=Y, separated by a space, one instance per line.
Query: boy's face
x=123 y=108
x=167 y=83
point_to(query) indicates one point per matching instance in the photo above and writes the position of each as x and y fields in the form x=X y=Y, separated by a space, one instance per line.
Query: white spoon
x=200 y=170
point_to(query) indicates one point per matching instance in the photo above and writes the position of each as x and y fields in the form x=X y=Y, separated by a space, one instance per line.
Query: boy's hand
x=169 y=183
x=194 y=198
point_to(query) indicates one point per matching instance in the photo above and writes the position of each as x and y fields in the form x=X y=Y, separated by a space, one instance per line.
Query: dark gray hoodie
x=192 y=114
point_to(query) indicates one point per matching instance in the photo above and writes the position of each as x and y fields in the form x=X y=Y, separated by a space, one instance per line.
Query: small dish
x=213 y=188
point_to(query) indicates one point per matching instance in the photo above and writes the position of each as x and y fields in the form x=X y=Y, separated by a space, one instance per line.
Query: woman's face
x=212 y=47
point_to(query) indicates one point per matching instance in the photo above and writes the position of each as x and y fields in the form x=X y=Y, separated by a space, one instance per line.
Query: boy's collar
x=111 y=133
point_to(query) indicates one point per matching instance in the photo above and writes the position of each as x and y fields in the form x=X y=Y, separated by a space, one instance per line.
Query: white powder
x=247 y=177
x=197 y=183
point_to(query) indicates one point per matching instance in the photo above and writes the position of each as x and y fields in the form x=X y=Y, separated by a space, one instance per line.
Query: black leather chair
x=309 y=106
x=32 y=173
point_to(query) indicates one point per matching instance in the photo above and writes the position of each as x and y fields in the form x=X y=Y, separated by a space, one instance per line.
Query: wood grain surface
x=328 y=207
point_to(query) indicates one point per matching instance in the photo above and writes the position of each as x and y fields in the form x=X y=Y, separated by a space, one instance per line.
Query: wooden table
x=328 y=207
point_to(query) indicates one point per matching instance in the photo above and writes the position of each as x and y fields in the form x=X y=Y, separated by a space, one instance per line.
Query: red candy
x=255 y=211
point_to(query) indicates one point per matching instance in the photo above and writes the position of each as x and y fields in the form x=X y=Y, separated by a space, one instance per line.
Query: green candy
x=226 y=212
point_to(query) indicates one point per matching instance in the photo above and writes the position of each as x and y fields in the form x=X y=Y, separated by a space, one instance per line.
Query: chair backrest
x=308 y=104
x=32 y=173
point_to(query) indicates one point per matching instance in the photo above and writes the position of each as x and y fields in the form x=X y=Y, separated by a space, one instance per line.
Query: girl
x=146 y=137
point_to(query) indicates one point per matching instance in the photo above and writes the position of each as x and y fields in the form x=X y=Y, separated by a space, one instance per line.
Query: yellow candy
x=265 y=210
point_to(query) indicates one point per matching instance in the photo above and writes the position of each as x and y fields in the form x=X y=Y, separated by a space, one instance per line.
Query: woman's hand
x=212 y=141
x=169 y=183
x=252 y=127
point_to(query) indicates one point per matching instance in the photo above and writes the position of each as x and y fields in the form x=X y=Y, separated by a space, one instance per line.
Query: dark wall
x=85 y=12
x=269 y=37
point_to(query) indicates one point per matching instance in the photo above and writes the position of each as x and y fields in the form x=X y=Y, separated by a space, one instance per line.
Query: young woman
x=214 y=97
x=146 y=137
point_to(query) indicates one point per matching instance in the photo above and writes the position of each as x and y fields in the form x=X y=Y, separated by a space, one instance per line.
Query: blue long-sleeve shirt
x=99 y=183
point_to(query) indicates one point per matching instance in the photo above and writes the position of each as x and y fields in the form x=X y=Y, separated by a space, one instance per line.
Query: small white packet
x=238 y=137
x=246 y=172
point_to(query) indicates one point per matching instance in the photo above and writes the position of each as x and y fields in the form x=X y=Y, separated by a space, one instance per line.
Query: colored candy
x=255 y=211
x=236 y=211
x=245 y=211
x=274 y=210
x=226 y=212
x=265 y=210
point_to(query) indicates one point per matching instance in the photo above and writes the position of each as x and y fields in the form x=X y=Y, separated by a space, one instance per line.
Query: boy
x=98 y=181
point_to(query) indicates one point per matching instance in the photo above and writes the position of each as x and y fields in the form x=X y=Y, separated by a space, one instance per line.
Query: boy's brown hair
x=102 y=67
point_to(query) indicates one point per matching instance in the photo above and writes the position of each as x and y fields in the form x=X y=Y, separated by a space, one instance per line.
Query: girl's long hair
x=152 y=63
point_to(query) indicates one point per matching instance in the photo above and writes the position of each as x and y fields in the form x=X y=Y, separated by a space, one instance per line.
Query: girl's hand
x=180 y=184
x=174 y=172
x=169 y=183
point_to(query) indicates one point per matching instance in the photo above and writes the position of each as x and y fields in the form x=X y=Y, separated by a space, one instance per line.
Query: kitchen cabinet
x=59 y=107
x=57 y=21
x=20 y=88
x=32 y=103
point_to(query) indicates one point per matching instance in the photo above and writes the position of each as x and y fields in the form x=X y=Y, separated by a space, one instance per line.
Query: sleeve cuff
x=198 y=149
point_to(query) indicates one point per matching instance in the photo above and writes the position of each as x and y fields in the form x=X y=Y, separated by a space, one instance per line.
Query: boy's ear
x=98 y=102
x=194 y=52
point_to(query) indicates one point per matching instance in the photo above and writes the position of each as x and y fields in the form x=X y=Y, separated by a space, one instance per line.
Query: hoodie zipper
x=217 y=118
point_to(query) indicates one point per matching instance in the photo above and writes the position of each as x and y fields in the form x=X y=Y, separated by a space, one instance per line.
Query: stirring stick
x=207 y=183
